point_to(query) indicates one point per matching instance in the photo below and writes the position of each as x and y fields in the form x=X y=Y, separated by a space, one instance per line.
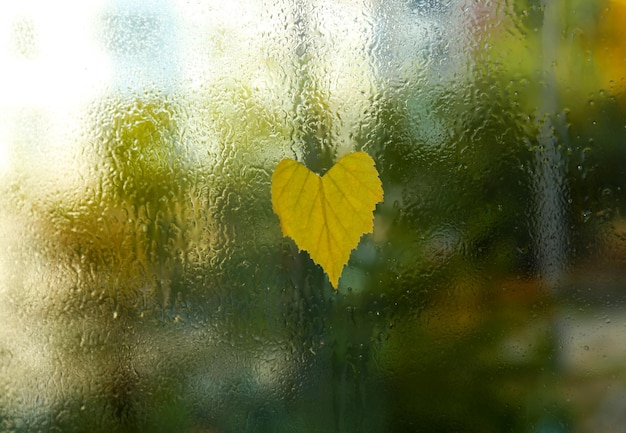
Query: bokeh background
x=145 y=285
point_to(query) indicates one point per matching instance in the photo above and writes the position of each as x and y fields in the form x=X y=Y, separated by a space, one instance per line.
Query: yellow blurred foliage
x=610 y=44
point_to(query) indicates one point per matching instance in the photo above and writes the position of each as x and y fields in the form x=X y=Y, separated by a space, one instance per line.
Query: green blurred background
x=145 y=283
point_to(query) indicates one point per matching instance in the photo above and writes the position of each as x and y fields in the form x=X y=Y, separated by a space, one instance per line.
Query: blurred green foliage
x=441 y=324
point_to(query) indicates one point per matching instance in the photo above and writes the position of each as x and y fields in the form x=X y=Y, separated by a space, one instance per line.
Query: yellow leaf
x=326 y=216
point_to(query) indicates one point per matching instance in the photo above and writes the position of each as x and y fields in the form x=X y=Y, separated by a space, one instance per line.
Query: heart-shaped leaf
x=326 y=216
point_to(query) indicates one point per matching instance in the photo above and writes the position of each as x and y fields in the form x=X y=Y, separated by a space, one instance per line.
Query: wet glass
x=145 y=283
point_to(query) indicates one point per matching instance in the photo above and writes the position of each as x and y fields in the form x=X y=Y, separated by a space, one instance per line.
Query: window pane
x=146 y=284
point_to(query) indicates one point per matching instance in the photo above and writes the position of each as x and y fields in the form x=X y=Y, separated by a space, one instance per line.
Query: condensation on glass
x=145 y=285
